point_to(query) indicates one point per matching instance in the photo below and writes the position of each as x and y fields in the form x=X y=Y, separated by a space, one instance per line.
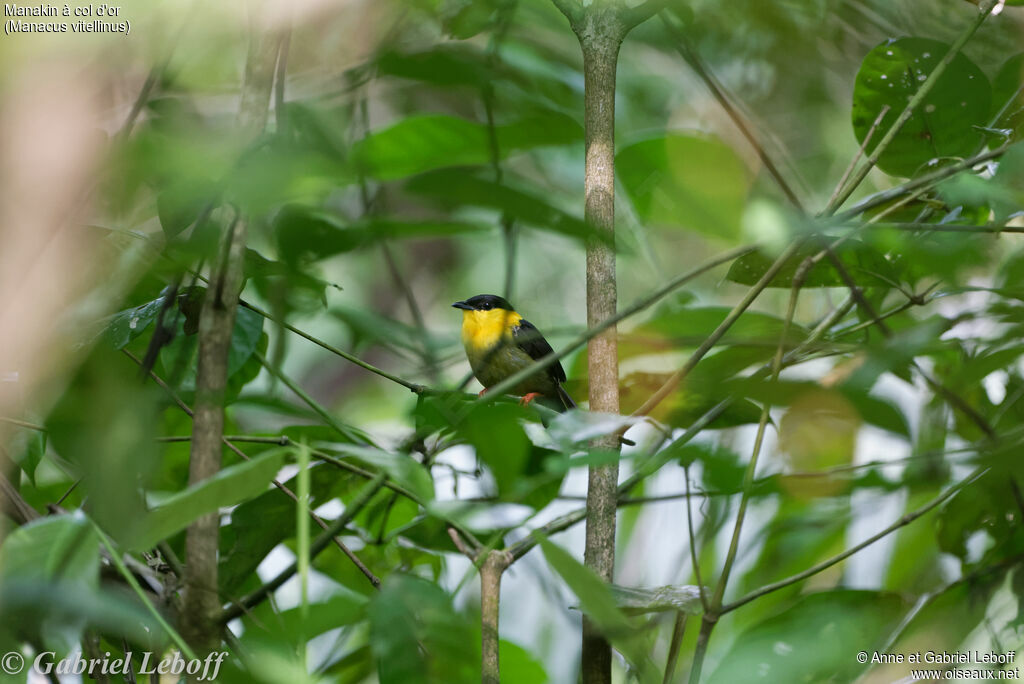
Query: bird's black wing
x=529 y=339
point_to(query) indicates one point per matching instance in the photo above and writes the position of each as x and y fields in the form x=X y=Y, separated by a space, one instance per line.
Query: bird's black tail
x=567 y=401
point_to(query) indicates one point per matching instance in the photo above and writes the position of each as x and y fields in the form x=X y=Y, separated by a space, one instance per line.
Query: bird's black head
x=484 y=302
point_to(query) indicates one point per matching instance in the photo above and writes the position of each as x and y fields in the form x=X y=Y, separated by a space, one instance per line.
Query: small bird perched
x=499 y=342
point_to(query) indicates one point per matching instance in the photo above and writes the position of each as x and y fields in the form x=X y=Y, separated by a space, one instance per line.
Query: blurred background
x=419 y=152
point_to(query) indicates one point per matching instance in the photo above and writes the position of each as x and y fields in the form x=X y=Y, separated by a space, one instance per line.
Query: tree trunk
x=202 y=606
x=600 y=33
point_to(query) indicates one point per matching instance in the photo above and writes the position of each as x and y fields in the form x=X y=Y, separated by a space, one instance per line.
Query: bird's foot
x=482 y=392
x=527 y=398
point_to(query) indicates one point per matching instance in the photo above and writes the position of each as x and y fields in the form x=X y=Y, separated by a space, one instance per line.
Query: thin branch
x=414 y=310
x=678 y=631
x=825 y=565
x=691 y=57
x=312 y=403
x=927 y=181
x=248 y=602
x=22 y=423
x=693 y=543
x=413 y=387
x=946 y=228
x=860 y=152
x=712 y=611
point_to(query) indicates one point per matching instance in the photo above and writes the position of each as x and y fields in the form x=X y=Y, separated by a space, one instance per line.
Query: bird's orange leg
x=527 y=398
x=482 y=392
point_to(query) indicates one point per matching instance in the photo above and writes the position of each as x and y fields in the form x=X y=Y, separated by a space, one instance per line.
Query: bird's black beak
x=462 y=305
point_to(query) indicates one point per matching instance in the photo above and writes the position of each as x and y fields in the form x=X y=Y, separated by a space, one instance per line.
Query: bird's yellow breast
x=484 y=330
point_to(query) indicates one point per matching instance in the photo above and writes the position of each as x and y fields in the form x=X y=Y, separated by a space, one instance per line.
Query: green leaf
x=463 y=19
x=685 y=181
x=227 y=488
x=181 y=203
x=812 y=640
x=943 y=125
x=183 y=349
x=416 y=636
x=674 y=599
x=865 y=265
x=431 y=141
x=59 y=548
x=518 y=665
x=126 y=325
x=598 y=602
x=306 y=233
x=690 y=326
x=1008 y=97
x=499 y=440
x=60 y=553
x=455 y=188
x=342 y=607
x=263 y=522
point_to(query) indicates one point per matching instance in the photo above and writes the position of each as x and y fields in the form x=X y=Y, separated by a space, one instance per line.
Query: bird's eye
x=485 y=306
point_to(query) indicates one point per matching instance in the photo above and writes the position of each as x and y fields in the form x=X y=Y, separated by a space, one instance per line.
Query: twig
x=248 y=602
x=691 y=57
x=826 y=564
x=927 y=181
x=693 y=543
x=413 y=387
x=22 y=423
x=134 y=584
x=678 y=630
x=860 y=152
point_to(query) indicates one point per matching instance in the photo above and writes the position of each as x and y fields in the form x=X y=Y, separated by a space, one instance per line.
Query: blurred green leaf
x=416 y=636
x=181 y=203
x=1008 y=97
x=944 y=124
x=306 y=233
x=227 y=488
x=687 y=181
x=598 y=602
x=431 y=141
x=812 y=640
x=263 y=522
x=61 y=548
x=518 y=665
x=499 y=440
x=456 y=188
x=61 y=551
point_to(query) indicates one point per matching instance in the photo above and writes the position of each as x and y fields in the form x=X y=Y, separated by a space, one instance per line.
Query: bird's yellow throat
x=485 y=329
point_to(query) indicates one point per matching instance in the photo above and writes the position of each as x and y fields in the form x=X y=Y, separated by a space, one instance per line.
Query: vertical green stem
x=302 y=535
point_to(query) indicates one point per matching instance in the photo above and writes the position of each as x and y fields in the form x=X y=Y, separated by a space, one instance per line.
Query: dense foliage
x=418 y=152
